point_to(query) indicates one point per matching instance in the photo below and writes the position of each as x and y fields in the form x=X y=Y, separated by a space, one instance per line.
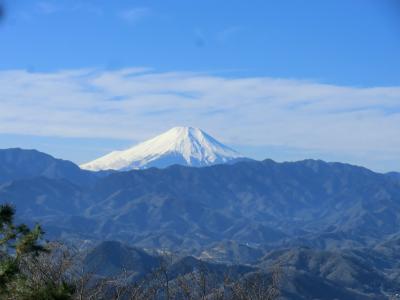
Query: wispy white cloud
x=34 y=10
x=229 y=32
x=138 y=103
x=135 y=14
x=47 y=7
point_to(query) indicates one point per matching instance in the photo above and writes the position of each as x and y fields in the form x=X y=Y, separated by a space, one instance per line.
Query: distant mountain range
x=333 y=224
x=350 y=274
x=256 y=203
x=186 y=146
x=394 y=175
x=17 y=164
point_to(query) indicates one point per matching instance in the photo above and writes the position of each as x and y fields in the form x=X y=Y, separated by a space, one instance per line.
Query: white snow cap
x=180 y=145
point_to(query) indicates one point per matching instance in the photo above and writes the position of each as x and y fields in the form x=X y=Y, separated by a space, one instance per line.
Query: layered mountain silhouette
x=335 y=225
x=308 y=273
x=312 y=202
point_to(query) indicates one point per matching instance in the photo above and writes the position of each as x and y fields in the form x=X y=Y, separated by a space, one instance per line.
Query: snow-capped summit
x=180 y=145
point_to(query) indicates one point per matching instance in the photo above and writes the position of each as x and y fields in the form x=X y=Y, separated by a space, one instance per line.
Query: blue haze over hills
x=239 y=212
x=278 y=81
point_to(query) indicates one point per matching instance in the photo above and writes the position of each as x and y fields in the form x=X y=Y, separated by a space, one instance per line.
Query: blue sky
x=350 y=42
x=284 y=79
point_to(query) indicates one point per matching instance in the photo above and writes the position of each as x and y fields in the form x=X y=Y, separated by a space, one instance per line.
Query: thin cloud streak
x=47 y=7
x=228 y=33
x=138 y=103
x=134 y=15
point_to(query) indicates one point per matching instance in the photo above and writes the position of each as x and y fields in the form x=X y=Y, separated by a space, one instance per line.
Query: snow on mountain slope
x=180 y=145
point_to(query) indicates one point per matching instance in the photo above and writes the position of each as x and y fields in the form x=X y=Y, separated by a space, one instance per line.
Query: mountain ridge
x=333 y=225
x=309 y=202
x=17 y=164
x=186 y=146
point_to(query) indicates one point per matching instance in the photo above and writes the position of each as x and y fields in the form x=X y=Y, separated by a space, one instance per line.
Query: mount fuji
x=186 y=146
